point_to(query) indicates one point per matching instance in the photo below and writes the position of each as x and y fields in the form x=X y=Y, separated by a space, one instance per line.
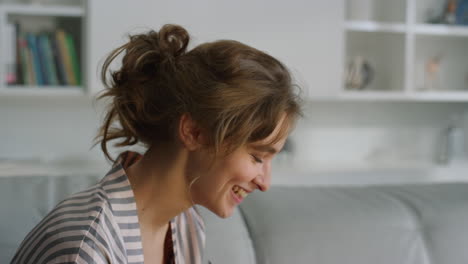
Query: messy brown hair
x=236 y=93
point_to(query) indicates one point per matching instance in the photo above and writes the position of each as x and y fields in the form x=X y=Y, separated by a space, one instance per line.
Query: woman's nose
x=263 y=181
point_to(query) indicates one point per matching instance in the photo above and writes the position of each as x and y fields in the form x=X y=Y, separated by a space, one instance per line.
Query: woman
x=211 y=118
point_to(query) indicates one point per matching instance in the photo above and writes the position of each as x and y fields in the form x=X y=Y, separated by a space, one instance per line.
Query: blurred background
x=385 y=83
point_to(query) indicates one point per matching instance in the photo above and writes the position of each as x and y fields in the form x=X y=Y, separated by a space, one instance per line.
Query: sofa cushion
x=442 y=210
x=334 y=225
x=24 y=201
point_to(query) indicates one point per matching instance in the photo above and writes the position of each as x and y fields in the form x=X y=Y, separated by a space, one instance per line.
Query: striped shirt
x=100 y=225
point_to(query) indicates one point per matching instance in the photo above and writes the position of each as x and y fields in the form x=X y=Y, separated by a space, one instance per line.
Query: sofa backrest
x=415 y=224
x=24 y=201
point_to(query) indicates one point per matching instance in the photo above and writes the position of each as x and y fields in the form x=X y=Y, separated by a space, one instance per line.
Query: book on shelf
x=18 y=60
x=10 y=55
x=44 y=58
x=65 y=55
x=61 y=75
x=46 y=50
x=36 y=60
x=74 y=59
x=26 y=68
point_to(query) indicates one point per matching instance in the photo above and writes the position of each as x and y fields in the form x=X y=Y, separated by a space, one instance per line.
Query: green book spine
x=64 y=56
x=74 y=59
x=30 y=64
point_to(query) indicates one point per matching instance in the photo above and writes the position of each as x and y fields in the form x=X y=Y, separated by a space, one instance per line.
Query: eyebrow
x=264 y=148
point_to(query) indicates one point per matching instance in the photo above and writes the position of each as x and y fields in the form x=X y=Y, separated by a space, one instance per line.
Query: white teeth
x=239 y=191
x=242 y=193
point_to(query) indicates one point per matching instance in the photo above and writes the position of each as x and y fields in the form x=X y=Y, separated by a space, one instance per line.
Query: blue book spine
x=42 y=60
x=52 y=74
x=35 y=58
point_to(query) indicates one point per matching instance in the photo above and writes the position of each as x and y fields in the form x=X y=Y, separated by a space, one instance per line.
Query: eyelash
x=257 y=159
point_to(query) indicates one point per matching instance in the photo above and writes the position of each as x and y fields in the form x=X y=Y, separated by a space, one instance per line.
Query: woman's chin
x=224 y=212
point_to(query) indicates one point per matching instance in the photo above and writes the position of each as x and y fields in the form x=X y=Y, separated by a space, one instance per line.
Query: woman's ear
x=190 y=133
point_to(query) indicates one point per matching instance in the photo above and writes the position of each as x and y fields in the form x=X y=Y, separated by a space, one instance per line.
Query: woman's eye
x=257 y=159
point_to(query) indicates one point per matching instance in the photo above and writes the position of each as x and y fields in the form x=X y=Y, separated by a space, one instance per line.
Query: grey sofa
x=416 y=223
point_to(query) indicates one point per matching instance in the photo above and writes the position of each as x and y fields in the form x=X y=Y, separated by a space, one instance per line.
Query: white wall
x=306 y=35
x=331 y=132
x=47 y=128
x=372 y=132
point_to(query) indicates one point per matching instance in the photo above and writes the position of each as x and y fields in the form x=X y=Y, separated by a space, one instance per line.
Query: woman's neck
x=159 y=184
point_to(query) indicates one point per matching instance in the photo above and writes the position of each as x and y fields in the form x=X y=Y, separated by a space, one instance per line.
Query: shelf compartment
x=37 y=19
x=447 y=58
x=388 y=67
x=429 y=10
x=376 y=10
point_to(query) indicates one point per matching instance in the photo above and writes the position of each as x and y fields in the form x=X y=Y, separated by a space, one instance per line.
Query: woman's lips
x=238 y=199
x=239 y=193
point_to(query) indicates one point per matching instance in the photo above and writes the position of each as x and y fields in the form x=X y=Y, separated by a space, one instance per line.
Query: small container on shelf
x=441 y=64
x=376 y=10
x=359 y=73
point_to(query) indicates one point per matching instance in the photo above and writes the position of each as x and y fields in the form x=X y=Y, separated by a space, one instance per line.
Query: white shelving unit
x=45 y=91
x=42 y=10
x=395 y=38
x=372 y=26
x=39 y=17
x=441 y=30
x=404 y=96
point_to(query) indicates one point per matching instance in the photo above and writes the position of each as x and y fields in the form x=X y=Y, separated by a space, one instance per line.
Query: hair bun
x=173 y=39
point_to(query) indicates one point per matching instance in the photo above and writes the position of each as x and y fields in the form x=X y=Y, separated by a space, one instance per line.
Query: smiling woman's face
x=224 y=183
